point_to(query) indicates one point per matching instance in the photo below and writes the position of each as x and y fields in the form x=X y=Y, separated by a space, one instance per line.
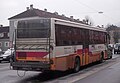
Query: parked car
x=117 y=48
x=7 y=54
x=1 y=52
x=111 y=45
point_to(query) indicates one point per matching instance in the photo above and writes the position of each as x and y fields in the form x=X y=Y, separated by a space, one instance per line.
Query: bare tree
x=88 y=21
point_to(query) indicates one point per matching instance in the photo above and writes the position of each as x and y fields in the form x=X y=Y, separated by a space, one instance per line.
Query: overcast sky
x=76 y=8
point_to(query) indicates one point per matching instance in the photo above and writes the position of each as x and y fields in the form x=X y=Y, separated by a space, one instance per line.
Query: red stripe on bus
x=32 y=54
x=79 y=51
x=36 y=54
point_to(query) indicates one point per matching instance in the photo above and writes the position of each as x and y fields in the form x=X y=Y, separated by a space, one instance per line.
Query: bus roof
x=79 y=25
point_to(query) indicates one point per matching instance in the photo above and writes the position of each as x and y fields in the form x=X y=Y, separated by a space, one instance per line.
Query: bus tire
x=110 y=56
x=114 y=52
x=77 y=65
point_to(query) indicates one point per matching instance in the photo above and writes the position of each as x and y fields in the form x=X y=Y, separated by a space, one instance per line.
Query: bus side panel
x=65 y=62
x=70 y=61
x=61 y=63
x=90 y=59
x=84 y=57
x=80 y=53
x=87 y=57
x=65 y=57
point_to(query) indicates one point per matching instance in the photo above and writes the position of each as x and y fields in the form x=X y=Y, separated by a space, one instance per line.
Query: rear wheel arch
x=77 y=63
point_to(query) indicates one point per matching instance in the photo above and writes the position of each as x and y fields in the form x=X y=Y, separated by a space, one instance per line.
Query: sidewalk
x=115 y=55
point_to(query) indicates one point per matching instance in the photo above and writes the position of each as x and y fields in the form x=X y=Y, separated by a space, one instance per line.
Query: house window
x=6 y=44
x=1 y=34
x=8 y=34
x=0 y=44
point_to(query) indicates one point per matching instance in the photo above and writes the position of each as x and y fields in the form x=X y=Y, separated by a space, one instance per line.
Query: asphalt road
x=90 y=74
x=10 y=76
x=110 y=74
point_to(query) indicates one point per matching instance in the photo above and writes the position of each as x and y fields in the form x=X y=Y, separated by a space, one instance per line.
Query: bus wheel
x=77 y=65
x=110 y=56
x=114 y=52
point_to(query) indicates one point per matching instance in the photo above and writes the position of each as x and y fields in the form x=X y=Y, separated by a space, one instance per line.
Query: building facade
x=4 y=38
x=114 y=33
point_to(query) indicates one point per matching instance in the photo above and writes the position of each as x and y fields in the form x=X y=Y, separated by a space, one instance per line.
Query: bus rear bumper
x=30 y=66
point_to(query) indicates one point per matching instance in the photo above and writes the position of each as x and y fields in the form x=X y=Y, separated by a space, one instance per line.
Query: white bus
x=55 y=44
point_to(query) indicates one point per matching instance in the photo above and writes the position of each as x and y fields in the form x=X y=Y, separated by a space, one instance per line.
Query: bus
x=55 y=44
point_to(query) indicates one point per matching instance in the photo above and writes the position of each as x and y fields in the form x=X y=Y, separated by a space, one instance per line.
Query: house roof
x=27 y=13
x=40 y=13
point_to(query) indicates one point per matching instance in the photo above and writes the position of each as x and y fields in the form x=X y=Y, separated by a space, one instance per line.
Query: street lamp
x=100 y=12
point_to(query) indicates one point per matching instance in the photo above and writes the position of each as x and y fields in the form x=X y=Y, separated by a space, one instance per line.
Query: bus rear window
x=38 y=28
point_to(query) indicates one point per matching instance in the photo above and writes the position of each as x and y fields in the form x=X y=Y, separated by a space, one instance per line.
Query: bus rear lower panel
x=31 y=66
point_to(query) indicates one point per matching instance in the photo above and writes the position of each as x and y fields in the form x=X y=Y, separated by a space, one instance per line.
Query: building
x=4 y=38
x=114 y=33
x=32 y=13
